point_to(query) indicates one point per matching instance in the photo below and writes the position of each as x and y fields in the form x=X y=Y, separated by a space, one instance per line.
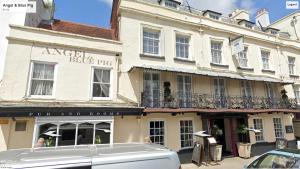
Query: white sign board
x=201 y=134
x=237 y=45
x=212 y=140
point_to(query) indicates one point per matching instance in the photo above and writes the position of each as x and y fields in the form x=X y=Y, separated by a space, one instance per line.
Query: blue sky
x=97 y=12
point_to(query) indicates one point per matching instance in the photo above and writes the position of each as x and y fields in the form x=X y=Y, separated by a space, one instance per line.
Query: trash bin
x=216 y=152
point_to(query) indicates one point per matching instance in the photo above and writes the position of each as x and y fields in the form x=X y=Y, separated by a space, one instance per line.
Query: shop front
x=61 y=126
x=264 y=128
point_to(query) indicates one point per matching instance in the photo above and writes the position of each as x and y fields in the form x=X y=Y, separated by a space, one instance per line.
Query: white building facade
x=61 y=87
x=180 y=67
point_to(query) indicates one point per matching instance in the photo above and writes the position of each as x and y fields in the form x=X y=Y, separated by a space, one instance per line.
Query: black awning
x=69 y=111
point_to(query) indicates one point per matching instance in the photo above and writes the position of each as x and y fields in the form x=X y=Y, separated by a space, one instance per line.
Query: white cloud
x=223 y=6
x=108 y=2
x=249 y=5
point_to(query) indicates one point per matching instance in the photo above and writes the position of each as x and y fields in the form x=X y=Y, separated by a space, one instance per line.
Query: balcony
x=204 y=101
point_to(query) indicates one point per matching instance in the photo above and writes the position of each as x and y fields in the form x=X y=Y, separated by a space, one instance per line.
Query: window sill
x=40 y=98
x=152 y=56
x=101 y=99
x=246 y=68
x=184 y=60
x=219 y=65
x=268 y=71
x=294 y=76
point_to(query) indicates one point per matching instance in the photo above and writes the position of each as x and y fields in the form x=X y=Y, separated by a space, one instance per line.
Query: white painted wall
x=73 y=80
x=138 y=14
x=30 y=19
x=285 y=26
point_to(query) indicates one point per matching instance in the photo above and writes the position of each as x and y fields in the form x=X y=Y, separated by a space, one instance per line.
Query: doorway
x=228 y=137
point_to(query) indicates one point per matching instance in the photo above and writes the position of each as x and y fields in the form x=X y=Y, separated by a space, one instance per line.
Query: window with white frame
x=151 y=41
x=216 y=52
x=42 y=79
x=186 y=133
x=101 y=83
x=171 y=4
x=291 y=65
x=258 y=125
x=182 y=46
x=64 y=131
x=243 y=60
x=278 y=127
x=157 y=132
x=265 y=56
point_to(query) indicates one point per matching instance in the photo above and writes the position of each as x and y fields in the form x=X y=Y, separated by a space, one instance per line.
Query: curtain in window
x=101 y=83
x=42 y=79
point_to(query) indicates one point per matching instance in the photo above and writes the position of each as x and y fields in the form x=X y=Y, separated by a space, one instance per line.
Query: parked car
x=116 y=156
x=283 y=158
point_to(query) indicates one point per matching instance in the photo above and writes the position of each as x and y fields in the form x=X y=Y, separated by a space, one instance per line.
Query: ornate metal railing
x=205 y=101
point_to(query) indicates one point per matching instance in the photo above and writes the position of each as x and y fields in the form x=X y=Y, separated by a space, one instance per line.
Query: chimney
x=262 y=18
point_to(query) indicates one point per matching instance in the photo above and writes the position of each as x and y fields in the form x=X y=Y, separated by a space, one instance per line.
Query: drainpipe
x=294 y=23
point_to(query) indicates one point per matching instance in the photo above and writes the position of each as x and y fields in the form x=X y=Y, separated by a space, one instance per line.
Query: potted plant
x=216 y=150
x=244 y=147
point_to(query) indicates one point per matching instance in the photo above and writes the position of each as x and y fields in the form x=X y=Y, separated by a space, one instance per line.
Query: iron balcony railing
x=205 y=101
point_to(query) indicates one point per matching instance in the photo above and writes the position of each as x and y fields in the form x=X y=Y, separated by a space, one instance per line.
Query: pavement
x=226 y=163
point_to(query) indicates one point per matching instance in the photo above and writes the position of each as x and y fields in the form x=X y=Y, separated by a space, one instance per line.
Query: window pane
x=67 y=133
x=38 y=71
x=41 y=87
x=97 y=75
x=85 y=133
x=102 y=133
x=47 y=135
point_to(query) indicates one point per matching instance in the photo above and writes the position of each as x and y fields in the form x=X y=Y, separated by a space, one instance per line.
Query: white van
x=116 y=156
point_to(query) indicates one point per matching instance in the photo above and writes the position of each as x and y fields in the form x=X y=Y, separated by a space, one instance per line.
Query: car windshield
x=275 y=161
